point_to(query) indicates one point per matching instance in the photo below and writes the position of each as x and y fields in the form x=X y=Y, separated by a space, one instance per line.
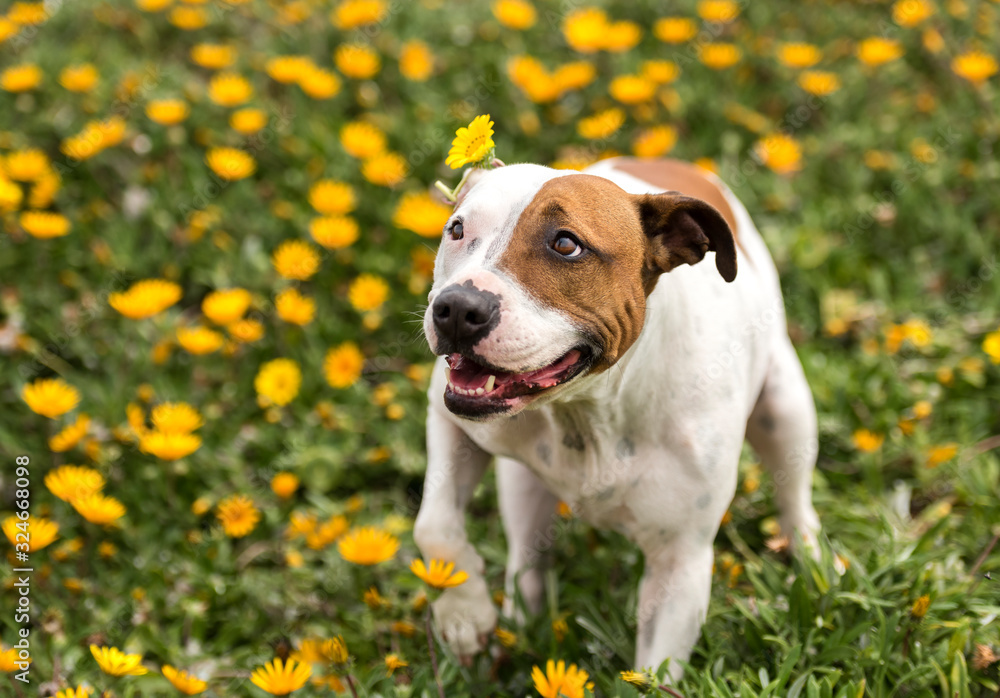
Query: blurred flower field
x=218 y=233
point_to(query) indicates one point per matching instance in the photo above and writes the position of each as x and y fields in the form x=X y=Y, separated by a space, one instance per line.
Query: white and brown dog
x=594 y=376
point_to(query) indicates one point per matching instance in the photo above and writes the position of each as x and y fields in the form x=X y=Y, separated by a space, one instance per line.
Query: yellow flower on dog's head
x=473 y=144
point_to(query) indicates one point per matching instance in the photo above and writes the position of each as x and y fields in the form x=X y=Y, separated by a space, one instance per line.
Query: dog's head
x=542 y=278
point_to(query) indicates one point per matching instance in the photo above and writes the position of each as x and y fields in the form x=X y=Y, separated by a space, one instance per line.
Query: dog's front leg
x=465 y=614
x=673 y=601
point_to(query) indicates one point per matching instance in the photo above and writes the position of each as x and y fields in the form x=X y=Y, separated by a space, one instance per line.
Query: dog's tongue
x=469 y=375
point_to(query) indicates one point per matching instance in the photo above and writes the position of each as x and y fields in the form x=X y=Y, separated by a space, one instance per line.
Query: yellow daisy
x=79 y=692
x=867 y=441
x=41 y=532
x=674 y=30
x=601 y=125
x=79 y=78
x=294 y=307
x=169 y=445
x=416 y=61
x=98 y=508
x=229 y=90
x=368 y=546
x=558 y=681
x=295 y=259
x=975 y=66
x=332 y=197
x=368 y=292
x=44 y=224
x=167 y=112
x=875 y=51
x=114 y=662
x=515 y=14
x=25 y=165
x=654 y=142
x=284 y=484
x=145 y=298
x=819 y=82
x=69 y=482
x=393 y=662
x=799 y=55
x=349 y=14
x=473 y=144
x=343 y=365
x=780 y=152
x=278 y=381
x=420 y=213
x=184 y=682
x=70 y=435
x=288 y=69
x=213 y=56
x=231 y=164
x=238 y=515
x=280 y=679
x=199 y=340
x=357 y=61
x=319 y=83
x=385 y=169
x=176 y=418
x=50 y=397
x=334 y=232
x=226 y=306
x=248 y=121
x=439 y=575
x=21 y=78
x=362 y=140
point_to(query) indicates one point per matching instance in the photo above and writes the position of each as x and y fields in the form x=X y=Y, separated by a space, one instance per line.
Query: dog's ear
x=680 y=230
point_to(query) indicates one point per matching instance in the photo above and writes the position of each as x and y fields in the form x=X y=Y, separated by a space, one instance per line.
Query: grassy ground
x=879 y=206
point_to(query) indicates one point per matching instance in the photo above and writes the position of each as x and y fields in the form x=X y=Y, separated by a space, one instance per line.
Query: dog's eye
x=567 y=245
x=456 y=232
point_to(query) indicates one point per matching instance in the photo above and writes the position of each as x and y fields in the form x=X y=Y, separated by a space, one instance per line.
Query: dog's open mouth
x=472 y=382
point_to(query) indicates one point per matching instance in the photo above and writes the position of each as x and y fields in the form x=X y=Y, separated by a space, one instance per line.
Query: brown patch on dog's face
x=627 y=241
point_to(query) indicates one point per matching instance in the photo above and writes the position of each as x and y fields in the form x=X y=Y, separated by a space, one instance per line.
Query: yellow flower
x=284 y=484
x=238 y=516
x=910 y=13
x=44 y=224
x=932 y=40
x=936 y=455
x=169 y=445
x=368 y=546
x=660 y=72
x=440 y=574
x=575 y=75
x=288 y=69
x=718 y=10
x=533 y=79
x=9 y=659
x=799 y=55
x=819 y=82
x=167 y=112
x=295 y=259
x=920 y=606
x=50 y=397
x=719 y=56
x=654 y=142
x=975 y=66
x=199 y=340
x=867 y=441
x=506 y=637
x=991 y=345
x=632 y=89
x=21 y=78
x=69 y=482
x=416 y=61
x=602 y=124
x=213 y=56
x=45 y=189
x=334 y=232
x=385 y=170
x=188 y=18
x=145 y=298
x=153 y=5
x=343 y=364
x=226 y=306
x=393 y=662
x=25 y=165
x=349 y=14
x=229 y=89
x=248 y=121
x=674 y=30
x=98 y=508
x=375 y=600
x=780 y=152
x=10 y=195
x=281 y=679
x=114 y=662
x=362 y=140
x=588 y=30
x=79 y=78
x=231 y=164
x=326 y=532
x=420 y=213
x=28 y=13
x=473 y=144
x=637 y=679
x=332 y=197
x=246 y=331
x=70 y=435
x=80 y=692
x=295 y=308
x=278 y=381
x=184 y=682
x=176 y=418
x=357 y=61
x=368 y=292
x=8 y=29
x=41 y=532
x=515 y=14
x=319 y=83
x=876 y=50
x=560 y=682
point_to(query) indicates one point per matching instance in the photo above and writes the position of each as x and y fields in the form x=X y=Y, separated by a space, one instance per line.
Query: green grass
x=861 y=250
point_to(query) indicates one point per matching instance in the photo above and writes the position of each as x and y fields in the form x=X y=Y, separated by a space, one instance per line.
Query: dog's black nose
x=463 y=315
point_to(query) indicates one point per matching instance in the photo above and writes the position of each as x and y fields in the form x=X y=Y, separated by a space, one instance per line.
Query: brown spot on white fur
x=630 y=240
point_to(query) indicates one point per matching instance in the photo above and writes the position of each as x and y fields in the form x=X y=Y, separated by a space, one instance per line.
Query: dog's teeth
x=447 y=373
x=480 y=391
x=489 y=384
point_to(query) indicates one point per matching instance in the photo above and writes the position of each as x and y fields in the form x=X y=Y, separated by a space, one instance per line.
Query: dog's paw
x=465 y=617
